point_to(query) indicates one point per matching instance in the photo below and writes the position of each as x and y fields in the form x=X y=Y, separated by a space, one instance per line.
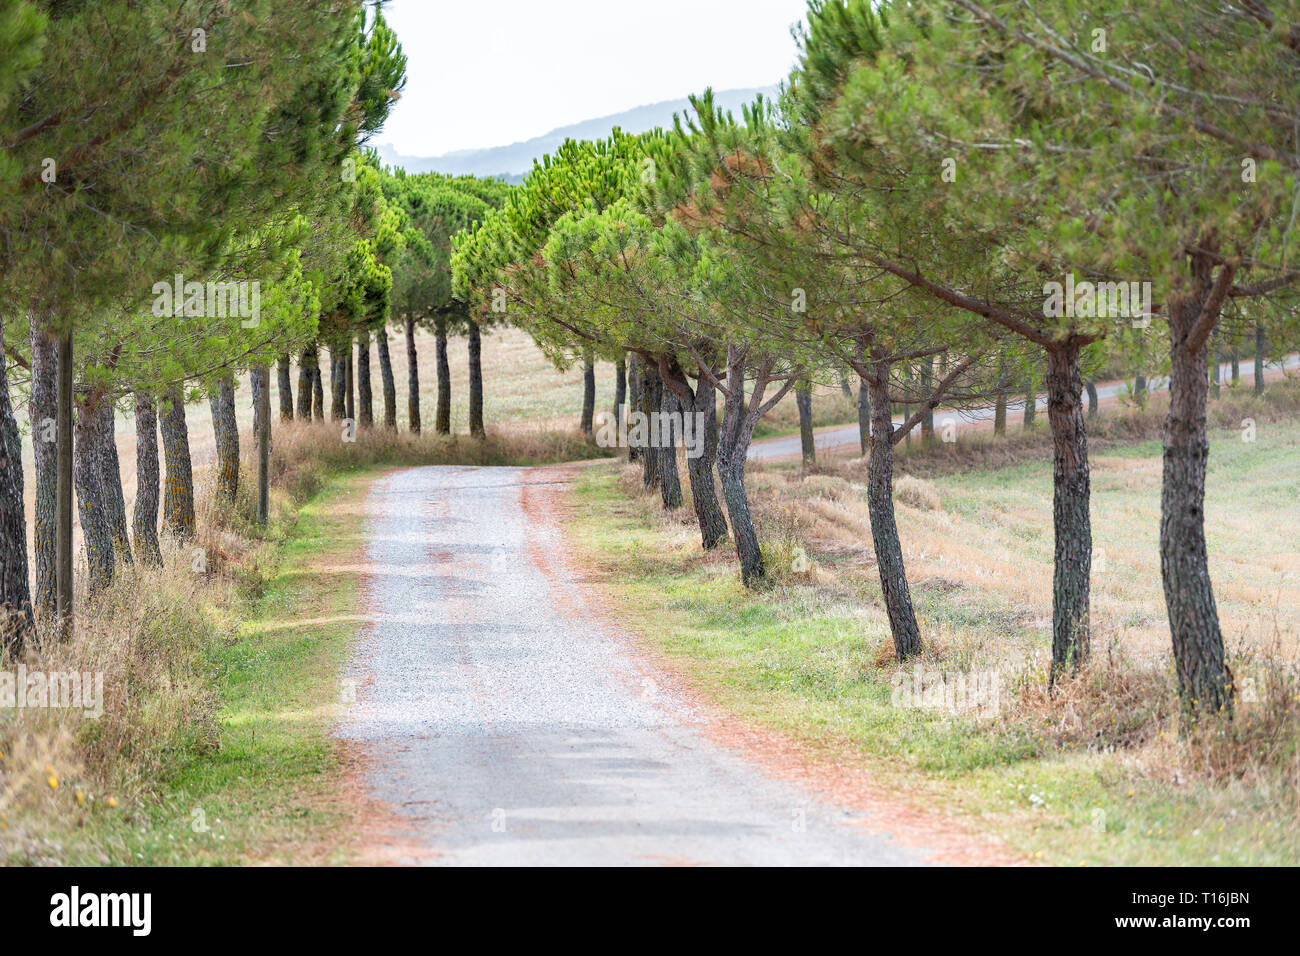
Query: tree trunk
x=263 y=439
x=63 y=536
x=1071 y=515
x=1000 y=413
x=475 y=382
x=1261 y=349
x=620 y=392
x=16 y=620
x=178 y=493
x=927 y=386
x=286 y=388
x=1031 y=404
x=844 y=385
x=1199 y=658
x=884 y=527
x=442 y=414
x=365 y=397
x=43 y=413
x=338 y=383
x=412 y=379
x=803 y=401
x=864 y=417
x=306 y=362
x=88 y=471
x=588 y=394
x=386 y=379
x=1236 y=359
x=734 y=436
x=670 y=483
x=1092 y=398
x=708 y=510
x=651 y=400
x=350 y=384
x=634 y=385
x=144 y=524
x=226 y=431
x=317 y=392
x=111 y=479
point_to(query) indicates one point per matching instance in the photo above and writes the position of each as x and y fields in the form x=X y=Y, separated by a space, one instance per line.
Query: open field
x=1096 y=773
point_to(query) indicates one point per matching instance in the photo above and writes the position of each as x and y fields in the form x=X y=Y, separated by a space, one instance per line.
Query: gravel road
x=506 y=725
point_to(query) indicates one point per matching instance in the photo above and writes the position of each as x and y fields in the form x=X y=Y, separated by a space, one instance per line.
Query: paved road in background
x=843 y=439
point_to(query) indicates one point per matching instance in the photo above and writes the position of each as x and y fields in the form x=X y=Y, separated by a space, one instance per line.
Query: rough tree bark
x=386 y=382
x=412 y=379
x=587 y=422
x=317 y=393
x=1199 y=658
x=144 y=520
x=63 y=490
x=286 y=388
x=178 y=490
x=88 y=471
x=670 y=483
x=1071 y=488
x=44 y=411
x=111 y=478
x=350 y=383
x=699 y=470
x=16 y=619
x=633 y=399
x=262 y=436
x=884 y=528
x=306 y=362
x=365 y=397
x=1091 y=386
x=475 y=382
x=226 y=431
x=651 y=394
x=442 y=413
x=620 y=392
x=338 y=401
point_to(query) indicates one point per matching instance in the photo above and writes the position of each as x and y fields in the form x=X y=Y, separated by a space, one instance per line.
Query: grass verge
x=1096 y=773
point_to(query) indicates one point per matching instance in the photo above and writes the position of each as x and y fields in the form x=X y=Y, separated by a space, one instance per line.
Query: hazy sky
x=492 y=72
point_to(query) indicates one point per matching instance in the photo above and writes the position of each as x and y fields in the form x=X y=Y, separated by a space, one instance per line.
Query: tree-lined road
x=506 y=724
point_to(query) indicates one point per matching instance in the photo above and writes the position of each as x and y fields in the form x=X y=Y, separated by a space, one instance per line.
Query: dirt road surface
x=501 y=721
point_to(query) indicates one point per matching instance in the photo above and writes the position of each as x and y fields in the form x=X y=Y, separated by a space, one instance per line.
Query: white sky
x=491 y=72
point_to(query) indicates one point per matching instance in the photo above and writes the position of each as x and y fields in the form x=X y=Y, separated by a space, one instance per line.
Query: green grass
x=268 y=791
x=807 y=659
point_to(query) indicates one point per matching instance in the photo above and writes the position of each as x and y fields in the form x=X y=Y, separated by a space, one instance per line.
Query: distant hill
x=513 y=161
